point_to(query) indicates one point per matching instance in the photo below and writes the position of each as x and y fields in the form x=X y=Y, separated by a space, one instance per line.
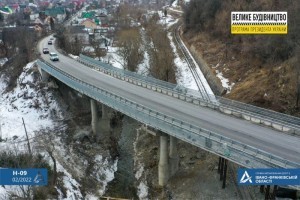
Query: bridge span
x=238 y=140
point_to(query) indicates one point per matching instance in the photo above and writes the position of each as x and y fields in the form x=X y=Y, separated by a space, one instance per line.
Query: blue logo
x=32 y=176
x=269 y=176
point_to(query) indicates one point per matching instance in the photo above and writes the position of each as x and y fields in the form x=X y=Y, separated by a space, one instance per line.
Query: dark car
x=45 y=50
x=50 y=42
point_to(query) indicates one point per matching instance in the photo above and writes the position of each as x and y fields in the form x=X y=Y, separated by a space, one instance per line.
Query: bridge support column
x=262 y=188
x=274 y=191
x=221 y=169
x=163 y=166
x=219 y=165
x=44 y=74
x=173 y=156
x=94 y=116
x=267 y=194
x=105 y=120
x=224 y=173
x=105 y=112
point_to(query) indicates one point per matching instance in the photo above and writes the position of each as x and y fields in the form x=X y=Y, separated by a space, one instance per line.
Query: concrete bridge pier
x=105 y=112
x=94 y=112
x=105 y=120
x=163 y=166
x=44 y=74
x=222 y=170
x=173 y=156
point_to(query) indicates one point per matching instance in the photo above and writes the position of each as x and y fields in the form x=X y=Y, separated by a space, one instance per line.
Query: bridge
x=246 y=135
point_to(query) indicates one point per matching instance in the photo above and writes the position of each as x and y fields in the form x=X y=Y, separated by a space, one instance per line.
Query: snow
x=20 y=103
x=167 y=21
x=143 y=67
x=7 y=190
x=184 y=75
x=201 y=76
x=142 y=191
x=73 y=56
x=13 y=106
x=175 y=10
x=113 y=58
x=224 y=81
x=175 y=3
x=71 y=185
x=3 y=61
x=105 y=171
x=3 y=84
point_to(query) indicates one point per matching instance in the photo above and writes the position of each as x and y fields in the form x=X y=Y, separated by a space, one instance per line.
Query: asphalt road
x=267 y=139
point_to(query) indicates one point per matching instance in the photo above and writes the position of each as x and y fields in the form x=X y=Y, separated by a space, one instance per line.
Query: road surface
x=267 y=139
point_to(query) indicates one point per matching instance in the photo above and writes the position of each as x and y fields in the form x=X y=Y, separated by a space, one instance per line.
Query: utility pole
x=29 y=149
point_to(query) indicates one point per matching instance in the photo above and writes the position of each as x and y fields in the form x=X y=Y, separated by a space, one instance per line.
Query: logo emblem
x=39 y=178
x=245 y=178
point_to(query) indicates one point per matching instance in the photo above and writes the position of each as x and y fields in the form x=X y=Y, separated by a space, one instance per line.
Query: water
x=123 y=186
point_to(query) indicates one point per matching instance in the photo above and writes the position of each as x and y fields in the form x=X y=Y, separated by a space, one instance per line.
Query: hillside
x=262 y=68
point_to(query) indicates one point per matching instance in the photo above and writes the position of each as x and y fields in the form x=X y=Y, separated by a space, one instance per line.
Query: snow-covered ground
x=166 y=21
x=25 y=101
x=142 y=188
x=184 y=75
x=224 y=81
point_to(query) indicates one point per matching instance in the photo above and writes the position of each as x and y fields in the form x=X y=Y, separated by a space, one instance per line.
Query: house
x=34 y=15
x=89 y=24
x=59 y=13
x=79 y=33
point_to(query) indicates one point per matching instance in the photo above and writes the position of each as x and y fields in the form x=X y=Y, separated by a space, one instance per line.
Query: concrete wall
x=211 y=78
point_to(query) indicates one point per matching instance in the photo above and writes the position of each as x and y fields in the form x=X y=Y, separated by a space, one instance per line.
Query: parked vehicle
x=50 y=42
x=45 y=50
x=54 y=56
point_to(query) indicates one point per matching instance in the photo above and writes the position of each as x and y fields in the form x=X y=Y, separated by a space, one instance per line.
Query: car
x=53 y=56
x=45 y=50
x=50 y=42
x=51 y=38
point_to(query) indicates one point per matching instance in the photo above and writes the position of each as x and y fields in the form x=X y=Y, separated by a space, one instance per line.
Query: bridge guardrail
x=248 y=112
x=235 y=151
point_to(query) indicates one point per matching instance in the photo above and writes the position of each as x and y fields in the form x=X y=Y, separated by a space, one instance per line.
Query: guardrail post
x=163 y=166
x=173 y=156
x=94 y=116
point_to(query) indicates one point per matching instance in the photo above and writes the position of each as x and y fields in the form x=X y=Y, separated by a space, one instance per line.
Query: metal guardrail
x=167 y=85
x=235 y=151
x=259 y=115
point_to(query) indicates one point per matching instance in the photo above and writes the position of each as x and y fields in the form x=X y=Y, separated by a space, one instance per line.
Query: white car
x=53 y=56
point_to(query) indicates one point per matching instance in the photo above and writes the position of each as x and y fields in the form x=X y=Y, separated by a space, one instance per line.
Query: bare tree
x=161 y=54
x=99 y=52
x=130 y=48
x=44 y=140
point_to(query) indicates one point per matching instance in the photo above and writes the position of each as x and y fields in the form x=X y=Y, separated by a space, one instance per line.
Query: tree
x=44 y=140
x=161 y=54
x=96 y=44
x=130 y=48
